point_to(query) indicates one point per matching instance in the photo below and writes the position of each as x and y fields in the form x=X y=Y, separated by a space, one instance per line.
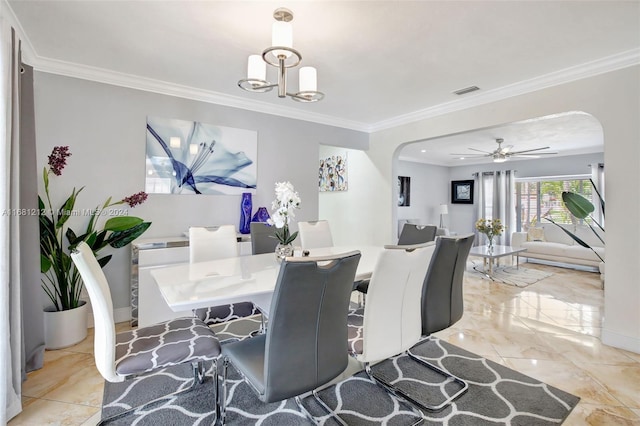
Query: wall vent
x=466 y=90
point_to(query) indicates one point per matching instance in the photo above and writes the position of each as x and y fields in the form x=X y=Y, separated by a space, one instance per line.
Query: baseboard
x=621 y=341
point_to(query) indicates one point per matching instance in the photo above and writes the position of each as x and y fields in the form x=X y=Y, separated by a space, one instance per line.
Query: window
x=539 y=198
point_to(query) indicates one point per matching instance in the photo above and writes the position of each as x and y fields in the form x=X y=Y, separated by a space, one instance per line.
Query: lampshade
x=282 y=35
x=256 y=68
x=308 y=79
x=444 y=209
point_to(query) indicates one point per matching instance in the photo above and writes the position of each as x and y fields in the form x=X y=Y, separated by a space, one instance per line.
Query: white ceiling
x=378 y=62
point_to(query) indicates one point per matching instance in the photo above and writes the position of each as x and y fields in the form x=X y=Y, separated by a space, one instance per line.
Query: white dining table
x=251 y=278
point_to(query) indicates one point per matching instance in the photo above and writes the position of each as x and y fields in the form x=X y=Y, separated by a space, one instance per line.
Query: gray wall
x=104 y=126
x=429 y=189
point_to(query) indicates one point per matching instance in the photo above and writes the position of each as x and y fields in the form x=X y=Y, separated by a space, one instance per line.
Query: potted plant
x=287 y=200
x=65 y=319
x=581 y=208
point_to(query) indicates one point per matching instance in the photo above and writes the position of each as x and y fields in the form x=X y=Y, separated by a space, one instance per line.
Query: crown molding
x=69 y=69
x=577 y=72
x=101 y=75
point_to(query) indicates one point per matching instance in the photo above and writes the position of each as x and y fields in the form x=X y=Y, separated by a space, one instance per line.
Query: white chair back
x=212 y=243
x=392 y=312
x=315 y=234
x=104 y=326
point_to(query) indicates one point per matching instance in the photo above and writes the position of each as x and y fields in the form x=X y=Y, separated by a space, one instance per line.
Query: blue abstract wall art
x=190 y=157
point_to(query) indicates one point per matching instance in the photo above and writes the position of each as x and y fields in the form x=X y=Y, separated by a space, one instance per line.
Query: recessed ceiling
x=377 y=61
x=568 y=133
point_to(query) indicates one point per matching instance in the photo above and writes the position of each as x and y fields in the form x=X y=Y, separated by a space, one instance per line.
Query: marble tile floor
x=549 y=330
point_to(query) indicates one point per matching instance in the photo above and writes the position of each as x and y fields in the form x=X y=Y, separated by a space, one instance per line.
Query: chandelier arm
x=307 y=96
x=282 y=79
x=289 y=62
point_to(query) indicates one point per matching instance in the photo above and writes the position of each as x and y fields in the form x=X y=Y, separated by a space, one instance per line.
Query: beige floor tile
x=59 y=366
x=85 y=386
x=621 y=381
x=44 y=412
x=601 y=415
x=565 y=376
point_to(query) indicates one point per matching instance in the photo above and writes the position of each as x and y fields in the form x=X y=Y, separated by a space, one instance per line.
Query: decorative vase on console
x=287 y=200
x=245 y=213
x=262 y=215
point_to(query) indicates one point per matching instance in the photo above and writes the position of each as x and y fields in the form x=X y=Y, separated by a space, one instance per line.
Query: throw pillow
x=535 y=234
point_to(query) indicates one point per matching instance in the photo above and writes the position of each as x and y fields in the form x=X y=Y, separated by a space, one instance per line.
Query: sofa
x=548 y=242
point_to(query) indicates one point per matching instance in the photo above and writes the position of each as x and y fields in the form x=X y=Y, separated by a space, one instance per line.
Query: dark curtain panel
x=32 y=317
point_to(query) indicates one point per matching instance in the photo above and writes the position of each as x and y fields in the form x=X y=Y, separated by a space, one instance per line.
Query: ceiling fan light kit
x=502 y=154
x=281 y=55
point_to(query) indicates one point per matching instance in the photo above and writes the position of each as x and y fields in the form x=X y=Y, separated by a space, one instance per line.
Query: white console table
x=147 y=304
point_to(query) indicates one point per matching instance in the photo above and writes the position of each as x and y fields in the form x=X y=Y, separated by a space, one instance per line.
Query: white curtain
x=10 y=292
x=597 y=176
x=496 y=200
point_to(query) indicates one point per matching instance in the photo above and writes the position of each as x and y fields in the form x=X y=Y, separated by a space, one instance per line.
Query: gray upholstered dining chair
x=212 y=244
x=305 y=345
x=121 y=356
x=390 y=322
x=417 y=234
x=442 y=298
x=263 y=238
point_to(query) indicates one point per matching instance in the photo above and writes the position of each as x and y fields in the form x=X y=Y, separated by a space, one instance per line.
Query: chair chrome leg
x=223 y=393
x=410 y=402
x=331 y=412
x=450 y=378
x=198 y=378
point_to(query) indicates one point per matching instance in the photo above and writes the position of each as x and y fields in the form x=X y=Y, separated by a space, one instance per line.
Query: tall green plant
x=61 y=281
x=581 y=208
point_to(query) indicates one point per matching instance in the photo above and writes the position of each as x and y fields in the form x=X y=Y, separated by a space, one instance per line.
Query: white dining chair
x=212 y=243
x=315 y=234
x=125 y=355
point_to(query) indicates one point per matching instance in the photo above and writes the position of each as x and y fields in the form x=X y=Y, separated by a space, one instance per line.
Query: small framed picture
x=404 y=191
x=462 y=191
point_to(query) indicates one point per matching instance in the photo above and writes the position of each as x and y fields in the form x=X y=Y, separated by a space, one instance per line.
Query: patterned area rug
x=496 y=395
x=519 y=277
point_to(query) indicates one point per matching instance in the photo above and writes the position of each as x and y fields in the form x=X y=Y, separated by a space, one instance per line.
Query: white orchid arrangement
x=287 y=200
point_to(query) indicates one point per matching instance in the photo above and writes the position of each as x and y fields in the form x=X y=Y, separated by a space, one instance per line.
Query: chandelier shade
x=281 y=55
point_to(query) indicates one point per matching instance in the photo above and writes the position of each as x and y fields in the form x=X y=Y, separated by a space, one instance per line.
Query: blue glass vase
x=262 y=215
x=245 y=213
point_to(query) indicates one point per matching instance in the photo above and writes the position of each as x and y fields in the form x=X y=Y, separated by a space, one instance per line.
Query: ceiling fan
x=502 y=154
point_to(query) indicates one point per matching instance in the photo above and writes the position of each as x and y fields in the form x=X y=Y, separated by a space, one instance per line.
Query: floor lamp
x=444 y=210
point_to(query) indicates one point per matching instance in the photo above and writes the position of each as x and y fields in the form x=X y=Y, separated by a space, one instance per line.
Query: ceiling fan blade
x=507 y=148
x=470 y=155
x=535 y=155
x=479 y=150
x=530 y=150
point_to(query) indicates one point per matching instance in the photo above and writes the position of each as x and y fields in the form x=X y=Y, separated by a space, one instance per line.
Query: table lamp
x=444 y=210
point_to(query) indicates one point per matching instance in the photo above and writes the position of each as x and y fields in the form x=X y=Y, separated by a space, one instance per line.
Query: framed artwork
x=404 y=191
x=462 y=191
x=190 y=157
x=332 y=173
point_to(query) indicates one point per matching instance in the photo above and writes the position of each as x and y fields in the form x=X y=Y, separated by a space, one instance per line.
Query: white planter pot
x=65 y=328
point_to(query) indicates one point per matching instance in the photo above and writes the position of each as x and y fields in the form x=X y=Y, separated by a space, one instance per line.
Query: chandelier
x=281 y=55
